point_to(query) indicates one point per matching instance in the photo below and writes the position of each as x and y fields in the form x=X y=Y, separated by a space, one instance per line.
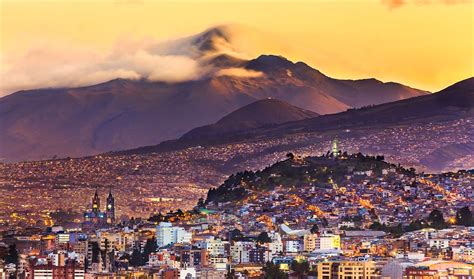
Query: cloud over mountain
x=166 y=90
x=176 y=60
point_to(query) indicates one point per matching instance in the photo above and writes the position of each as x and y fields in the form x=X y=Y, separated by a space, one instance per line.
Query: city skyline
x=236 y=139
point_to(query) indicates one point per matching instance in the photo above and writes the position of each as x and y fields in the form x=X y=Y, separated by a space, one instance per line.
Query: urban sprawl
x=337 y=215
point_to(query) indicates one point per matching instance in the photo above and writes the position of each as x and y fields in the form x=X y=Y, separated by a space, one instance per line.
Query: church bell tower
x=96 y=202
x=110 y=209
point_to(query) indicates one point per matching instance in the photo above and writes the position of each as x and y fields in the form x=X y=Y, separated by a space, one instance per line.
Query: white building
x=167 y=234
x=215 y=246
x=439 y=243
x=293 y=246
x=216 y=250
x=62 y=238
x=240 y=251
x=328 y=242
x=276 y=246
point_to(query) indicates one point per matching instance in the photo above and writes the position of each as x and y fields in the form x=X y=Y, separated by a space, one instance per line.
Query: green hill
x=322 y=171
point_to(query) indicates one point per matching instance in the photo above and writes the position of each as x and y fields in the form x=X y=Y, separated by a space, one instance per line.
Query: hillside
x=123 y=114
x=296 y=172
x=453 y=103
x=262 y=113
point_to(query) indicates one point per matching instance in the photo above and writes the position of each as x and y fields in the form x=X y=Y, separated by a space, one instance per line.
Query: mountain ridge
x=122 y=114
x=265 y=112
x=367 y=117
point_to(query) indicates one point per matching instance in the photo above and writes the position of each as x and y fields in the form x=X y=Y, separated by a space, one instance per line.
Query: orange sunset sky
x=426 y=44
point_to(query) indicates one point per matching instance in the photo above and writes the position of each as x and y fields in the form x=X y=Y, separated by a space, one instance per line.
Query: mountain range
x=453 y=103
x=123 y=114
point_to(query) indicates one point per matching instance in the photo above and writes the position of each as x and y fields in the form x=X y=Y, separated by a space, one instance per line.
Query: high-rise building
x=346 y=269
x=217 y=251
x=258 y=255
x=309 y=242
x=167 y=234
x=240 y=251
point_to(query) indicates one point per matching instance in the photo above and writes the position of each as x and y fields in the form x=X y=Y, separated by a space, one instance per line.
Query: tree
x=156 y=218
x=263 y=238
x=86 y=264
x=230 y=274
x=95 y=252
x=300 y=268
x=376 y=226
x=136 y=259
x=373 y=214
x=272 y=271
x=464 y=217
x=416 y=225
x=150 y=247
x=235 y=235
x=201 y=203
x=324 y=222
x=436 y=219
x=396 y=231
x=12 y=256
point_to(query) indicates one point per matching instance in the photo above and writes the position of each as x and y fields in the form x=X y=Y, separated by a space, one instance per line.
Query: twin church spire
x=96 y=216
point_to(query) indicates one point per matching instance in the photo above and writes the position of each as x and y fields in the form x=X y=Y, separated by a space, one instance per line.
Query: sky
x=427 y=44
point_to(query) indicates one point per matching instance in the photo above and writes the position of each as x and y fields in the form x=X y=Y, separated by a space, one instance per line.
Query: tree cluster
x=434 y=220
x=273 y=271
x=139 y=258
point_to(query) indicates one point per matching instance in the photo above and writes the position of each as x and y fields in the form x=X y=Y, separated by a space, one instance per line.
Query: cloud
x=50 y=66
x=238 y=72
x=58 y=65
x=392 y=4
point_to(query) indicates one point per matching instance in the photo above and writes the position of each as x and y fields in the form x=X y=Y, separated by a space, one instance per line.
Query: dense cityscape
x=147 y=183
x=330 y=216
x=237 y=139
